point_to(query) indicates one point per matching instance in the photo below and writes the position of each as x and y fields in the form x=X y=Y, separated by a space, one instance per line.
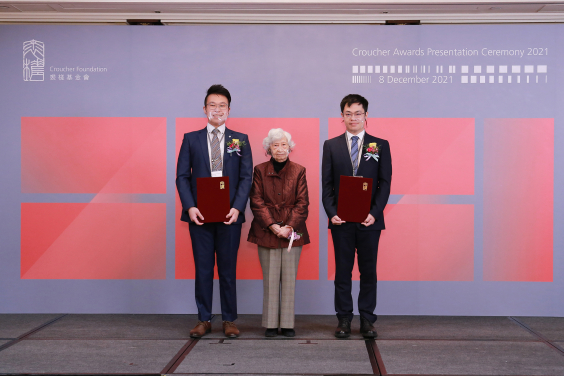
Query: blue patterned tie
x=354 y=153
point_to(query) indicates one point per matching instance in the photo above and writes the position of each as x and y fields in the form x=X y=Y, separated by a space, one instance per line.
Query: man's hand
x=232 y=216
x=369 y=220
x=194 y=214
x=285 y=232
x=336 y=220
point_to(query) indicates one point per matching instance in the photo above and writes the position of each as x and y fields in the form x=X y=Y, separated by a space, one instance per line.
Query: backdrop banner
x=92 y=119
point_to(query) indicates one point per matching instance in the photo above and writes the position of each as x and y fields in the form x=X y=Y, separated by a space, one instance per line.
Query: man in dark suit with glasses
x=356 y=153
x=215 y=151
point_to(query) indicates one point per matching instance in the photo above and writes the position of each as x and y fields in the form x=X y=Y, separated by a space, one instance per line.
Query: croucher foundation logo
x=33 y=60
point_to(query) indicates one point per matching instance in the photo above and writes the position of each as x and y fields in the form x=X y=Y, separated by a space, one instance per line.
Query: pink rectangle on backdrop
x=518 y=199
x=305 y=133
x=431 y=156
x=423 y=243
x=93 y=155
x=93 y=241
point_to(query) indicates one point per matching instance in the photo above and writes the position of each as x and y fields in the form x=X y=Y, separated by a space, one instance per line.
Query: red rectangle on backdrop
x=93 y=241
x=93 y=155
x=305 y=133
x=423 y=243
x=431 y=156
x=518 y=199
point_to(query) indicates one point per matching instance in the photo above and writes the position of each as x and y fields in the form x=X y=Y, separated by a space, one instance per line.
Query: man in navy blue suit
x=356 y=153
x=205 y=153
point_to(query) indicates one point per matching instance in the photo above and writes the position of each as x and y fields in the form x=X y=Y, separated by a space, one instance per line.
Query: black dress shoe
x=367 y=329
x=271 y=332
x=288 y=332
x=343 y=329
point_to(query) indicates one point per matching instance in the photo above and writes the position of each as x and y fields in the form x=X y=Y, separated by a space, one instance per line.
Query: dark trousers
x=208 y=241
x=347 y=238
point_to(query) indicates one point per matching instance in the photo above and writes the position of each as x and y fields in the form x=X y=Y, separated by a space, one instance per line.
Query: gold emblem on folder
x=364 y=186
x=221 y=185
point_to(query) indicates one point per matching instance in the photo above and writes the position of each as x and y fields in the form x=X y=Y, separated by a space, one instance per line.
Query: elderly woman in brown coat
x=279 y=201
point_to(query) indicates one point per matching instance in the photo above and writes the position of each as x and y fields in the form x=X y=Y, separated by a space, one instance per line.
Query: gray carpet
x=119 y=327
x=79 y=356
x=277 y=356
x=552 y=328
x=15 y=325
x=470 y=358
x=450 y=327
x=436 y=345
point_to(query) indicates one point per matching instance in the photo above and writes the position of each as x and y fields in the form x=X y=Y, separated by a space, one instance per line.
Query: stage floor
x=160 y=344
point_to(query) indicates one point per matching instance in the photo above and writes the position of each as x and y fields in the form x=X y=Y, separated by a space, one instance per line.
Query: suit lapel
x=362 y=165
x=203 y=137
x=226 y=156
x=343 y=149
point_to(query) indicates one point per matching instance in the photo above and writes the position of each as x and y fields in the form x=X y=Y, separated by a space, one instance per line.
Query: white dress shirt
x=359 y=143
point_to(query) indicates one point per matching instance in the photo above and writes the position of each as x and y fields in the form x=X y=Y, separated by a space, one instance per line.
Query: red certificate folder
x=354 y=198
x=213 y=198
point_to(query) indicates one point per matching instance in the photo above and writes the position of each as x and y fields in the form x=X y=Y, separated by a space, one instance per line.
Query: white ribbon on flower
x=368 y=155
x=292 y=237
x=235 y=149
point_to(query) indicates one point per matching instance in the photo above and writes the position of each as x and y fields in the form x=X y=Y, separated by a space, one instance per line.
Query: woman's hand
x=275 y=229
x=285 y=232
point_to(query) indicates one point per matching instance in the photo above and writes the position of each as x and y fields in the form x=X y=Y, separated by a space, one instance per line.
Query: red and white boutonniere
x=235 y=146
x=371 y=150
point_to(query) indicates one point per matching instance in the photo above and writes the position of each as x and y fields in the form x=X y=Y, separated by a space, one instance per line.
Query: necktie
x=354 y=153
x=217 y=164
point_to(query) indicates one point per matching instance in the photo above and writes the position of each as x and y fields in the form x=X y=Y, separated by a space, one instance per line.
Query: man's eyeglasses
x=349 y=115
x=213 y=106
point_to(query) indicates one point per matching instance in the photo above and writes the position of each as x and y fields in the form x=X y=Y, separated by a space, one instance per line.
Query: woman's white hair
x=276 y=134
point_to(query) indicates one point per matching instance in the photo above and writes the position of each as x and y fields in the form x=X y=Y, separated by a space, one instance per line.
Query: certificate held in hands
x=354 y=198
x=213 y=198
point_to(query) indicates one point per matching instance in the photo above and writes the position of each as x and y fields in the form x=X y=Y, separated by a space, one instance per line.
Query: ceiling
x=297 y=11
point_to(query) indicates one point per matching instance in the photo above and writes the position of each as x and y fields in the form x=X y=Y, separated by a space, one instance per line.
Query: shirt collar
x=221 y=128
x=360 y=135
